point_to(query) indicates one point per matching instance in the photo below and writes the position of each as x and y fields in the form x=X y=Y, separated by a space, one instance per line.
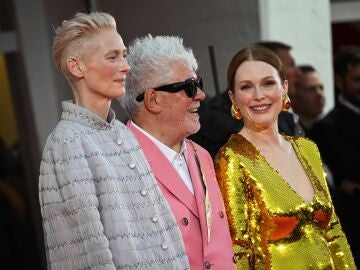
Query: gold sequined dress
x=272 y=227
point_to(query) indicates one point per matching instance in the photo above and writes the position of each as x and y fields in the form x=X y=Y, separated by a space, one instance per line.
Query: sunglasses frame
x=190 y=87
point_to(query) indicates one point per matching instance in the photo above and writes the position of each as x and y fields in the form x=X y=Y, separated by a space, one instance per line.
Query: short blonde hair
x=74 y=34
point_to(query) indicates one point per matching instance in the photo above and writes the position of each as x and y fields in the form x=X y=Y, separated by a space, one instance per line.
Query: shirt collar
x=169 y=153
x=348 y=105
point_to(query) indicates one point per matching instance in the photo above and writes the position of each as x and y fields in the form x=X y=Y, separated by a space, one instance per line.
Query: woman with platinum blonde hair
x=100 y=203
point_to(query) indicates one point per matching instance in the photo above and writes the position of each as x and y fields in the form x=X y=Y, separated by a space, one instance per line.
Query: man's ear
x=339 y=83
x=75 y=67
x=151 y=101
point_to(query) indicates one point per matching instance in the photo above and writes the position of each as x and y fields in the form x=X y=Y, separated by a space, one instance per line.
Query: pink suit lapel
x=198 y=187
x=164 y=171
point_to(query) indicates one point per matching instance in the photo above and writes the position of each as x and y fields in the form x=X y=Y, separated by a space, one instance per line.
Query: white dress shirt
x=177 y=160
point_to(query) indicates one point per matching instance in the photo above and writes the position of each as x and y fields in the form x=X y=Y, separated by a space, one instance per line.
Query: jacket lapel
x=199 y=188
x=164 y=171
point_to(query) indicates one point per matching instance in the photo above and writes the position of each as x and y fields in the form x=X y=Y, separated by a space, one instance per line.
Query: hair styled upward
x=345 y=58
x=253 y=53
x=305 y=69
x=73 y=37
x=151 y=60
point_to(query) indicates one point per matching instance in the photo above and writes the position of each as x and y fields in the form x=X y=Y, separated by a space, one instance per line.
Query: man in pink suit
x=162 y=98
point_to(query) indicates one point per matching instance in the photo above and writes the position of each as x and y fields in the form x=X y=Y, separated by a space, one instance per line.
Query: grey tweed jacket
x=100 y=203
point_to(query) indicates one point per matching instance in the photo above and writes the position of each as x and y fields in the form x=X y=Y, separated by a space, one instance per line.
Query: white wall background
x=306 y=26
x=35 y=46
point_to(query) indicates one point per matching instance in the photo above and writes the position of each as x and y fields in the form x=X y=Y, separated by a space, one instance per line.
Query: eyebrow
x=265 y=78
x=117 y=51
x=269 y=77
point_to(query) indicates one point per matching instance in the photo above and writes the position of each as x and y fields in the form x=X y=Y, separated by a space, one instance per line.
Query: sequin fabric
x=272 y=227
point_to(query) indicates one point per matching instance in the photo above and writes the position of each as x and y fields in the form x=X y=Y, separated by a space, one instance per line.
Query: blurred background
x=31 y=90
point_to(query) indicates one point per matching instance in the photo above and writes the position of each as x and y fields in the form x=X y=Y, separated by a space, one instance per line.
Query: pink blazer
x=189 y=210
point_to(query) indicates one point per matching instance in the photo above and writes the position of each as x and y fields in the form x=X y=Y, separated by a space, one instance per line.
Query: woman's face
x=258 y=93
x=105 y=68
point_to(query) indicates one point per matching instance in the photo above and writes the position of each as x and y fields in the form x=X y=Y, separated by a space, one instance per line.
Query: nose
x=320 y=90
x=258 y=94
x=200 y=95
x=124 y=66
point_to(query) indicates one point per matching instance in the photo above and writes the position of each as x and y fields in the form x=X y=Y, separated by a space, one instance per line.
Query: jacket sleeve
x=73 y=231
x=242 y=209
x=337 y=242
x=338 y=245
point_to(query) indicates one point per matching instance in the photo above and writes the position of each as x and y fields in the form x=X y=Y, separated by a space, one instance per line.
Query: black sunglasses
x=190 y=87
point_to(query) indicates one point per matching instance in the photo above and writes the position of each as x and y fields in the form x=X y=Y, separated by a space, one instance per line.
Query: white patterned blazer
x=100 y=203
